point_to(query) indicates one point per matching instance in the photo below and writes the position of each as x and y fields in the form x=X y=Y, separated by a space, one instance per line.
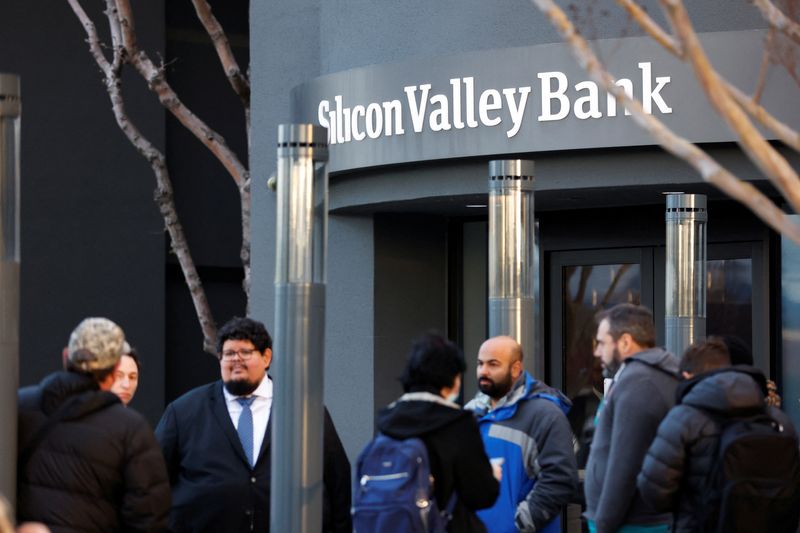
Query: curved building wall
x=360 y=33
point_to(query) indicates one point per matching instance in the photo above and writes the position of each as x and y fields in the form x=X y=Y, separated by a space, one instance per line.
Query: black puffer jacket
x=682 y=455
x=457 y=459
x=98 y=469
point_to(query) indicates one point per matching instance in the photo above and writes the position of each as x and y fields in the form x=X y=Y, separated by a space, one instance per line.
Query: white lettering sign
x=458 y=105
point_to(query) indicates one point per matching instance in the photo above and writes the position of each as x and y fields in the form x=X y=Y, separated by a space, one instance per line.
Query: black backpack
x=754 y=483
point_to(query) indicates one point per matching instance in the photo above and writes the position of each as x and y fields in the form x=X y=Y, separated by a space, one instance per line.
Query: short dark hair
x=635 y=320
x=244 y=329
x=133 y=353
x=433 y=363
x=706 y=355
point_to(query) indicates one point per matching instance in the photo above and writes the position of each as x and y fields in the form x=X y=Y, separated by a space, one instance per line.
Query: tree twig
x=237 y=79
x=652 y=28
x=764 y=68
x=777 y=19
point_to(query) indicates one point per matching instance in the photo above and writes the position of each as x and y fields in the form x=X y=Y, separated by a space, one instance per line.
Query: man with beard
x=216 y=441
x=642 y=391
x=524 y=427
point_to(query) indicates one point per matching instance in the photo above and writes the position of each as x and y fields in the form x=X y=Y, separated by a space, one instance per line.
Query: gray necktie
x=245 y=428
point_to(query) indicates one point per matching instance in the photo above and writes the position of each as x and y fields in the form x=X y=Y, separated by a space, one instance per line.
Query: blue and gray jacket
x=528 y=429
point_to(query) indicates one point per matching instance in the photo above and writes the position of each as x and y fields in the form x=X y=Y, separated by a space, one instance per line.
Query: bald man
x=525 y=429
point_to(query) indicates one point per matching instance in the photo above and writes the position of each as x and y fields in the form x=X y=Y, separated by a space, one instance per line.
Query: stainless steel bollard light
x=297 y=368
x=10 y=111
x=685 y=313
x=512 y=272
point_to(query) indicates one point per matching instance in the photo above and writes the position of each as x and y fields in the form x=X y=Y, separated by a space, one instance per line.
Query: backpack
x=393 y=489
x=754 y=482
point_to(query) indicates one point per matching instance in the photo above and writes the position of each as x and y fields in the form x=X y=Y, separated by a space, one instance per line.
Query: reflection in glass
x=729 y=289
x=790 y=313
x=589 y=289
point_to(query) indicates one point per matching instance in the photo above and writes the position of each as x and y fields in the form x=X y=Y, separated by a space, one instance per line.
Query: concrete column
x=685 y=313
x=298 y=357
x=512 y=272
x=10 y=110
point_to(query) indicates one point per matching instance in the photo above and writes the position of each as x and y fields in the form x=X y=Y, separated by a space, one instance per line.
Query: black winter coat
x=682 y=455
x=455 y=450
x=98 y=469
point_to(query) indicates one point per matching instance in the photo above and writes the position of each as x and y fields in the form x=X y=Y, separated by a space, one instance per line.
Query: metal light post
x=10 y=110
x=685 y=312
x=297 y=412
x=512 y=272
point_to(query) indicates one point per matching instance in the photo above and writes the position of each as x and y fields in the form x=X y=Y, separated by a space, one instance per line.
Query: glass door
x=582 y=284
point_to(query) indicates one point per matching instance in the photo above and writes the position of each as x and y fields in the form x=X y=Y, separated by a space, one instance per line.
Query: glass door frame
x=557 y=260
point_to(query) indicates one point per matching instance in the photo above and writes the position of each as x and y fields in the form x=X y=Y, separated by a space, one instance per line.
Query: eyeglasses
x=245 y=354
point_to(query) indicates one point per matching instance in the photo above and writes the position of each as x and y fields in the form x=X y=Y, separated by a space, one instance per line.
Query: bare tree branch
x=772 y=164
x=786 y=134
x=214 y=142
x=92 y=38
x=238 y=81
x=164 y=194
x=651 y=27
x=777 y=19
x=764 y=68
x=707 y=167
x=158 y=83
x=241 y=86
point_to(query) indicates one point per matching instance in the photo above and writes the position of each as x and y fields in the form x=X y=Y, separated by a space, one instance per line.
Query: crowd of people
x=503 y=463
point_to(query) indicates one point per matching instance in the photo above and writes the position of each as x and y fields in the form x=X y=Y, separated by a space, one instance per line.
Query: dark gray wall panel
x=92 y=239
x=410 y=292
x=349 y=329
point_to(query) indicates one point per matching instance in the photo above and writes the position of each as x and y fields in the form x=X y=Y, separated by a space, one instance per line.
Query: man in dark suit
x=216 y=442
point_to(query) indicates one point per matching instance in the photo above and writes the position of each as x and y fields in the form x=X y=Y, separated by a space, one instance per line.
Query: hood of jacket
x=524 y=388
x=78 y=393
x=418 y=413
x=657 y=358
x=730 y=390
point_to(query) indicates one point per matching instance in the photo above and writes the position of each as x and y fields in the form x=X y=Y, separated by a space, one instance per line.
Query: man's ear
x=64 y=356
x=267 y=355
x=625 y=343
x=516 y=369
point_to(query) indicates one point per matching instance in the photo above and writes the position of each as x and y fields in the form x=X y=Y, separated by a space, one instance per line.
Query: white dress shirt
x=260 y=408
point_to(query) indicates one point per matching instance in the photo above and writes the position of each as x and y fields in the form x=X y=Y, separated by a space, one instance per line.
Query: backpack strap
x=447 y=513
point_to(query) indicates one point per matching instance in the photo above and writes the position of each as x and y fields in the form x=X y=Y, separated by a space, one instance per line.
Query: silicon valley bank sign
x=443 y=112
x=521 y=100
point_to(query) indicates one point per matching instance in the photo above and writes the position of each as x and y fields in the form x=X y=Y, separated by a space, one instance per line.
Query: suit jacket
x=215 y=489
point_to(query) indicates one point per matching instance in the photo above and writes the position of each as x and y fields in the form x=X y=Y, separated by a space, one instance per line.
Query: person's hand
x=497 y=467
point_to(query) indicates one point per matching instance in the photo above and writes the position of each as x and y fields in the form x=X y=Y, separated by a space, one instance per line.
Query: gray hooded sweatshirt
x=642 y=393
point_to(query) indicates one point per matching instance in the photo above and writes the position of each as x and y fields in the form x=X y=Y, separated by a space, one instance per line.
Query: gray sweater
x=643 y=392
